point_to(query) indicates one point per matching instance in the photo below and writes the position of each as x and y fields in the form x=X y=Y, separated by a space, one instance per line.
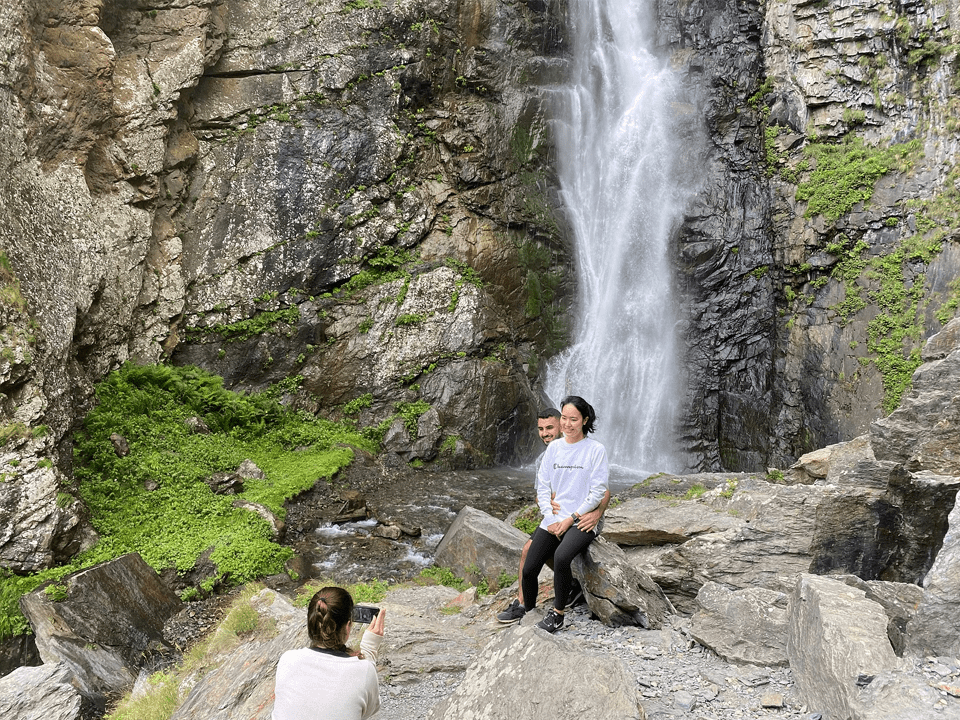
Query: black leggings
x=563 y=550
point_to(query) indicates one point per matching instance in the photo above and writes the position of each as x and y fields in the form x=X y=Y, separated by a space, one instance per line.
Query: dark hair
x=586 y=411
x=328 y=613
x=549 y=413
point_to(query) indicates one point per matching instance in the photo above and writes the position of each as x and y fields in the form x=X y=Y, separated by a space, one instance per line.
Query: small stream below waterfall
x=427 y=500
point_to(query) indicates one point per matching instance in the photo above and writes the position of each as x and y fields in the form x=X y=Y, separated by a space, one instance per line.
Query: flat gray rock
x=526 y=673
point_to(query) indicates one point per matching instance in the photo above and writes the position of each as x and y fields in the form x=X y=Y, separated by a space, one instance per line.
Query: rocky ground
x=676 y=676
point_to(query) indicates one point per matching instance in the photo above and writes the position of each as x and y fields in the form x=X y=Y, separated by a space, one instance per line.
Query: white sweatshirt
x=317 y=685
x=577 y=473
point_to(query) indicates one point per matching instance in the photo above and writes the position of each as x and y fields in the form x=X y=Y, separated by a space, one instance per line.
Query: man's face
x=549 y=429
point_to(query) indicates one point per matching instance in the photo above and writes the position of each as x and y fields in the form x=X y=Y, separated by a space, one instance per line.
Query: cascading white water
x=616 y=161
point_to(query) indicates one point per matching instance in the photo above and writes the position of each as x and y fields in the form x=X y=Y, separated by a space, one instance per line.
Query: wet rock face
x=807 y=305
x=194 y=180
x=399 y=160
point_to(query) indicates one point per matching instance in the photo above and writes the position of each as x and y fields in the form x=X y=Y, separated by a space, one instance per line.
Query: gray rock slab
x=924 y=432
x=509 y=681
x=107 y=626
x=243 y=684
x=934 y=628
x=828 y=462
x=420 y=639
x=43 y=692
x=904 y=696
x=742 y=626
x=835 y=636
x=898 y=600
x=476 y=540
x=616 y=590
x=649 y=521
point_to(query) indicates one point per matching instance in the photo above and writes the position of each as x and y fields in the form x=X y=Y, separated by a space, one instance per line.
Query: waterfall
x=617 y=159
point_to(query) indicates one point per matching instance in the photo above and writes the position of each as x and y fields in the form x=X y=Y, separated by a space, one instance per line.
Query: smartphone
x=364 y=613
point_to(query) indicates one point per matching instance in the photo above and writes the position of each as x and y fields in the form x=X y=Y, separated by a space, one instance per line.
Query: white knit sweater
x=315 y=685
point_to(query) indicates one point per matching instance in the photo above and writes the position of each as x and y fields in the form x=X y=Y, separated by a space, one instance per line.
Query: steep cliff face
x=822 y=248
x=351 y=198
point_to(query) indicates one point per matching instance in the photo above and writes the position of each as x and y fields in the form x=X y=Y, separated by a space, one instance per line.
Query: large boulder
x=618 y=592
x=104 y=623
x=924 y=432
x=40 y=693
x=887 y=526
x=836 y=638
x=742 y=626
x=422 y=638
x=933 y=630
x=525 y=673
x=242 y=683
x=651 y=521
x=477 y=544
x=898 y=600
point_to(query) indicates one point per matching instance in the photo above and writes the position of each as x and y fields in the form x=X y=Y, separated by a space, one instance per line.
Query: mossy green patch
x=174 y=524
x=846 y=173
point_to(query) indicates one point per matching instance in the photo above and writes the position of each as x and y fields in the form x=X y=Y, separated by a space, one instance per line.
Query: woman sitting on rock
x=574 y=467
x=326 y=681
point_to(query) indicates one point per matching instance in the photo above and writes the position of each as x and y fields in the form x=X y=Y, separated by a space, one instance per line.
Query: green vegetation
x=847 y=271
x=257 y=325
x=173 y=525
x=897 y=326
x=358 y=404
x=10 y=296
x=755 y=101
x=775 y=475
x=528 y=520
x=411 y=412
x=383 y=267
x=449 y=444
x=372 y=591
x=694 y=492
x=56 y=592
x=444 y=576
x=410 y=319
x=846 y=172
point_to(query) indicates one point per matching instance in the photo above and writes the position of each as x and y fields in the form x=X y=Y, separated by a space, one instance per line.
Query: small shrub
x=443 y=576
x=358 y=404
x=56 y=592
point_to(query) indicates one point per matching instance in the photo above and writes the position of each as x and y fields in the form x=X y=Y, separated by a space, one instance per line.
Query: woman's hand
x=559 y=528
x=376 y=627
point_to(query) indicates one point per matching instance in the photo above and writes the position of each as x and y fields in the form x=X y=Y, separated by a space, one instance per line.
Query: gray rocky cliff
x=355 y=199
x=821 y=249
x=352 y=198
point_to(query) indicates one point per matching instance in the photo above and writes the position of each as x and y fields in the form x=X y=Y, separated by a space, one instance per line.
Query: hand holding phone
x=364 y=613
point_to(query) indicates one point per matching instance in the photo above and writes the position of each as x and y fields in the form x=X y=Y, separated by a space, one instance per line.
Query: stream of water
x=617 y=165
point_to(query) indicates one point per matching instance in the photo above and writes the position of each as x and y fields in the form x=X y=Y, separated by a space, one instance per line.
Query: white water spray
x=617 y=155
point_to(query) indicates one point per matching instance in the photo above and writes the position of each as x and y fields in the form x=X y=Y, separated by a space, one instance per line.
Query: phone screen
x=364 y=613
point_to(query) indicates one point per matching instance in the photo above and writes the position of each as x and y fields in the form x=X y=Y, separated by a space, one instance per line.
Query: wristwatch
x=576 y=518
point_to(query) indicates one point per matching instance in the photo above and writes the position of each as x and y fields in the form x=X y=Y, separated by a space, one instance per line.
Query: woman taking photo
x=574 y=467
x=326 y=681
